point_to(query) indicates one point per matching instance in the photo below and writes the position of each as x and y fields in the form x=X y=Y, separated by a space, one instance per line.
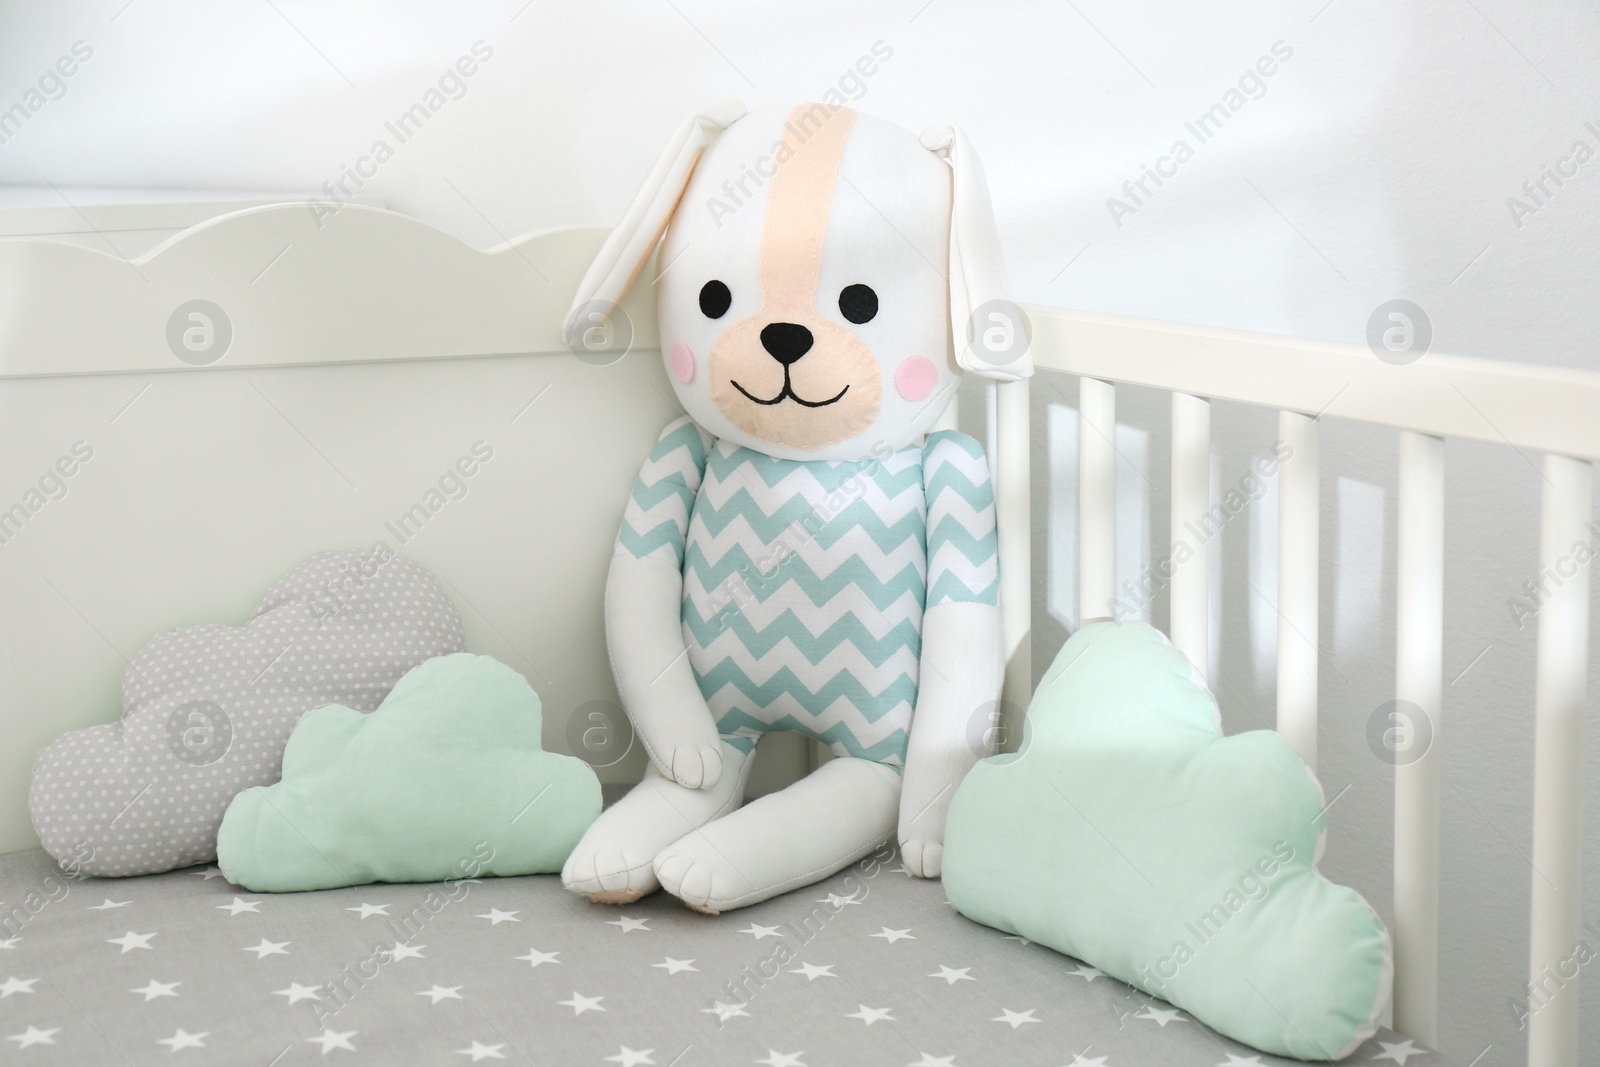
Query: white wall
x=1376 y=165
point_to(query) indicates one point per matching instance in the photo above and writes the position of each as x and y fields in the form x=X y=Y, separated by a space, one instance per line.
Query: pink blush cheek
x=916 y=378
x=682 y=362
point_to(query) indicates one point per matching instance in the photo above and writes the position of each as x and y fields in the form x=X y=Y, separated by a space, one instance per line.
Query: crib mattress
x=870 y=967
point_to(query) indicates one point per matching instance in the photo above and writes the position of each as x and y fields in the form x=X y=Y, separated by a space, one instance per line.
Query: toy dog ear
x=998 y=346
x=623 y=256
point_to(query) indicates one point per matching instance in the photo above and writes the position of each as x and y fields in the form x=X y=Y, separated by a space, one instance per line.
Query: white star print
x=630 y=1057
x=16 y=985
x=297 y=992
x=157 y=989
x=496 y=917
x=782 y=1059
x=1399 y=1051
x=109 y=904
x=813 y=971
x=240 y=906
x=35 y=1036
x=212 y=872
x=1163 y=1016
x=269 y=948
x=758 y=931
x=535 y=957
x=724 y=1012
x=580 y=1003
x=130 y=941
x=892 y=936
x=403 y=951
x=369 y=910
x=1241 y=1061
x=872 y=1015
x=1089 y=974
x=1015 y=1018
x=834 y=900
x=953 y=975
x=1080 y=1060
x=183 y=1039
x=443 y=992
x=332 y=1039
x=628 y=924
x=928 y=1060
x=9 y=942
x=480 y=1051
x=673 y=966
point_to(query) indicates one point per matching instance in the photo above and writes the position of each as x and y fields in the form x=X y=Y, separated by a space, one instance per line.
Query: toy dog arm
x=644 y=604
x=958 y=687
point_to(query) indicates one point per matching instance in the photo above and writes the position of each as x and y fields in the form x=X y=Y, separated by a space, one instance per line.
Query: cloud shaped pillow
x=206 y=710
x=1131 y=834
x=446 y=779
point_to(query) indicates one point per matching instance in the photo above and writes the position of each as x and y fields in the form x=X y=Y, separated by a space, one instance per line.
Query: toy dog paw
x=694 y=766
x=924 y=859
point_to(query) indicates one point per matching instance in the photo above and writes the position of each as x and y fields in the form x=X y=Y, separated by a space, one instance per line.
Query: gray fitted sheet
x=870 y=967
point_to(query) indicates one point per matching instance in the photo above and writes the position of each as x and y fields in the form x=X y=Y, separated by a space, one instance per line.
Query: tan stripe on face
x=799 y=201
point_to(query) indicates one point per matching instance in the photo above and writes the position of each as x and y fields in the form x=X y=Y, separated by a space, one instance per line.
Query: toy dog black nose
x=785 y=341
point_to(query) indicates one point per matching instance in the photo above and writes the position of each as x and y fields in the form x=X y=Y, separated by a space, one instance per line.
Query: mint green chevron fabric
x=446 y=780
x=805 y=583
x=1130 y=834
x=963 y=546
x=657 y=518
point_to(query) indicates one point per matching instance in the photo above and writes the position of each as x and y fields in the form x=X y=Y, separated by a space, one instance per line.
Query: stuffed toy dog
x=801 y=553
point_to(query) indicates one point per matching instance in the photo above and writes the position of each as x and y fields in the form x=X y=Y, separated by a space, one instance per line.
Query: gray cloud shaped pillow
x=207 y=710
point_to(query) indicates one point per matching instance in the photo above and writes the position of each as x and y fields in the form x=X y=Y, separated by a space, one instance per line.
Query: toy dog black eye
x=858 y=303
x=715 y=299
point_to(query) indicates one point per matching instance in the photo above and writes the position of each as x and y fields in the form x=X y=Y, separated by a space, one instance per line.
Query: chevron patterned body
x=805 y=583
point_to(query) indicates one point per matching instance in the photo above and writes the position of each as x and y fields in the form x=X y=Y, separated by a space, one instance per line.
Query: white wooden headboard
x=366 y=352
x=337 y=375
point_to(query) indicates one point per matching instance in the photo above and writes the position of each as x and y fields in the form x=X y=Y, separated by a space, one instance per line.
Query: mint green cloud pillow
x=446 y=779
x=1131 y=834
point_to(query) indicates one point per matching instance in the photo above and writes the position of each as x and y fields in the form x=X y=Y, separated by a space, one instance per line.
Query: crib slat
x=1097 y=498
x=1563 y=669
x=1191 y=500
x=1419 y=669
x=1013 y=496
x=1298 y=529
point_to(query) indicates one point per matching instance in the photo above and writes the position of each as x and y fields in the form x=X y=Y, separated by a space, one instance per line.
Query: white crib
x=230 y=438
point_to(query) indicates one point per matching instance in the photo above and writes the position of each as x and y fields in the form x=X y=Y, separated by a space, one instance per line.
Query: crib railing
x=1530 y=408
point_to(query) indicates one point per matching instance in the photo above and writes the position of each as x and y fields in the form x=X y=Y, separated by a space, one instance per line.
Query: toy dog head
x=816 y=267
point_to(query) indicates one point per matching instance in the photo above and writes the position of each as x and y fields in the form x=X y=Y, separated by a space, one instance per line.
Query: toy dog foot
x=697 y=882
x=616 y=896
x=612 y=864
x=796 y=836
x=606 y=876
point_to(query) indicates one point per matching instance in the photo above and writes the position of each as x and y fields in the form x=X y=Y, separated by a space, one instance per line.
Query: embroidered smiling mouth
x=788 y=393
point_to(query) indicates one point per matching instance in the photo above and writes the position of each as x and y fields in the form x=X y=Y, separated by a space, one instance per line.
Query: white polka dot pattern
x=208 y=709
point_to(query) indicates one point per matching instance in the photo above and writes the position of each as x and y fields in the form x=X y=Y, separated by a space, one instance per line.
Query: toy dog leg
x=612 y=863
x=799 y=835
